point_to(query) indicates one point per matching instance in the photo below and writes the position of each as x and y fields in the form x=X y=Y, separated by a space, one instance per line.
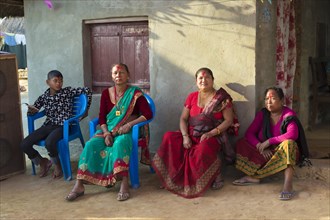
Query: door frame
x=86 y=41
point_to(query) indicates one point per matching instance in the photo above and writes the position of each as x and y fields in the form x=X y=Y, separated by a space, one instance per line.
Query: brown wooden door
x=12 y=159
x=120 y=42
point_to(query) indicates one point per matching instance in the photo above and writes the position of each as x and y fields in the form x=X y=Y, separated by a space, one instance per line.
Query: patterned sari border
x=202 y=184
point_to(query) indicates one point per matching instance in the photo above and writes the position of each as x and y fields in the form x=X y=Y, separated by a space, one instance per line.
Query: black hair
x=206 y=70
x=278 y=91
x=121 y=64
x=54 y=73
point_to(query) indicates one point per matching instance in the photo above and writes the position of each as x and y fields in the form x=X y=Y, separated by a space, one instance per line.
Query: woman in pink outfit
x=275 y=141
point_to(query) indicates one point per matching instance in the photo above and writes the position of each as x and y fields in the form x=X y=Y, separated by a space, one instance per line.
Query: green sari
x=100 y=164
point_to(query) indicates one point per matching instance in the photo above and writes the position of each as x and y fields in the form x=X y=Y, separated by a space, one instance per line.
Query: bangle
x=130 y=126
x=185 y=135
x=218 y=130
x=106 y=134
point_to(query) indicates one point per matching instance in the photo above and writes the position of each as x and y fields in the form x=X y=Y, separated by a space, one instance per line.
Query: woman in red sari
x=187 y=161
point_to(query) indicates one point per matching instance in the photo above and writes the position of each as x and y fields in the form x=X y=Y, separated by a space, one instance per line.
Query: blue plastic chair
x=71 y=131
x=134 y=159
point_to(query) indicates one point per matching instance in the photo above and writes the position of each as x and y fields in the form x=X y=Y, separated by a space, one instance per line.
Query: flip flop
x=44 y=172
x=243 y=182
x=122 y=196
x=286 y=195
x=74 y=195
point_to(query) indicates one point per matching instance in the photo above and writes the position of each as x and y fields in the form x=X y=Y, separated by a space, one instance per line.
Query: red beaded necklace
x=119 y=96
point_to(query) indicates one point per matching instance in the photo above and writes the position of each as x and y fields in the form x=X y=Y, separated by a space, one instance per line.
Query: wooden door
x=12 y=159
x=125 y=42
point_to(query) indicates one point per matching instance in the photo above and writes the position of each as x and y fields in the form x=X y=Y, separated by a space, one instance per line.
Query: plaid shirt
x=58 y=107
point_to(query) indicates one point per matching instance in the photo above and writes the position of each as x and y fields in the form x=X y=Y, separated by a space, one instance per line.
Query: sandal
x=244 y=182
x=286 y=195
x=57 y=175
x=74 y=195
x=44 y=170
x=217 y=184
x=122 y=196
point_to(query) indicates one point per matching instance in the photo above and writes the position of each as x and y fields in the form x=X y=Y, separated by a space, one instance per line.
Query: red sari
x=189 y=172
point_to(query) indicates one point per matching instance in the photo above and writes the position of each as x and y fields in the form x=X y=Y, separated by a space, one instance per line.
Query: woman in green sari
x=105 y=158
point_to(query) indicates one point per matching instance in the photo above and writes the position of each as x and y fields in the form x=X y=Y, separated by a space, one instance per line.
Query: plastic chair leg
x=33 y=168
x=81 y=140
x=134 y=167
x=64 y=155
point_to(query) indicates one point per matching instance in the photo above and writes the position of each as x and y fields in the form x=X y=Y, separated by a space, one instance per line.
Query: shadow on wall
x=179 y=14
x=246 y=91
x=174 y=82
x=243 y=108
x=173 y=86
x=179 y=84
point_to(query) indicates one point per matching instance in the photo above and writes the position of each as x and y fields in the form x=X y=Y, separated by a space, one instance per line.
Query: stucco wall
x=265 y=49
x=184 y=36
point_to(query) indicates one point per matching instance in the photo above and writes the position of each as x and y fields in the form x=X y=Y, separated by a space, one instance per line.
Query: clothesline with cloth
x=16 y=44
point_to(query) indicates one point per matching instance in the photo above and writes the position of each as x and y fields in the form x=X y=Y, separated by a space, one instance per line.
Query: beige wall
x=184 y=36
x=221 y=37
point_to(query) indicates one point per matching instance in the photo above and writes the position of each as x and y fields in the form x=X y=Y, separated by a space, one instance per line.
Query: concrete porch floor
x=24 y=196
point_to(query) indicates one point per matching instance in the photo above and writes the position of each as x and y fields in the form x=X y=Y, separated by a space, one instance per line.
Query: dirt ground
x=29 y=197
x=25 y=196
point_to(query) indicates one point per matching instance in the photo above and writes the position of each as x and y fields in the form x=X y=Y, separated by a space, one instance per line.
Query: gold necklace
x=117 y=106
